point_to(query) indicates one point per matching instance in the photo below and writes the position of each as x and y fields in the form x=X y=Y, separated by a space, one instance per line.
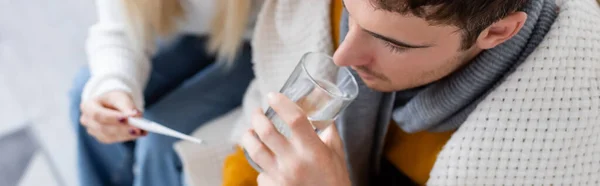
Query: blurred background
x=41 y=49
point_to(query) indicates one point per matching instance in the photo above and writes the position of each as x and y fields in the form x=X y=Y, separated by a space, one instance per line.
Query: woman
x=200 y=70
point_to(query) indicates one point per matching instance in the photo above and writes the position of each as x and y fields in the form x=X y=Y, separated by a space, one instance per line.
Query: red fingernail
x=144 y=133
x=132 y=131
x=122 y=119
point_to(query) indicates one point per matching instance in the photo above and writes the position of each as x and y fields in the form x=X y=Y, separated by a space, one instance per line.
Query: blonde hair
x=151 y=18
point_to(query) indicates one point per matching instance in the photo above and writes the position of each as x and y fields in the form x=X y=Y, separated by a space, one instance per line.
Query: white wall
x=41 y=47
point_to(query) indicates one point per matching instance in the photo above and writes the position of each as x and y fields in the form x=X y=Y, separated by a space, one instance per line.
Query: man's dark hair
x=471 y=16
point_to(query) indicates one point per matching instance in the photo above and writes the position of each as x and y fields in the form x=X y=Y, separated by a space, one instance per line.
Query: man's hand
x=303 y=158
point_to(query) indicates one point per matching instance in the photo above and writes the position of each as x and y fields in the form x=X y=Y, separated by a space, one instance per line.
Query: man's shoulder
x=578 y=14
x=566 y=62
x=573 y=41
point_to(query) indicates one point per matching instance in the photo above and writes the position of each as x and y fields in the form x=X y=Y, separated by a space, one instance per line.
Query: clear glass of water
x=320 y=88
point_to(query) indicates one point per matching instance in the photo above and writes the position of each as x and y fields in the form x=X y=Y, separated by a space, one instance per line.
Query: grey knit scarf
x=445 y=104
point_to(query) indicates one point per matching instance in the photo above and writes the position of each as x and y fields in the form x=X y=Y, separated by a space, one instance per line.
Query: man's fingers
x=95 y=111
x=268 y=134
x=265 y=180
x=293 y=115
x=258 y=152
x=332 y=139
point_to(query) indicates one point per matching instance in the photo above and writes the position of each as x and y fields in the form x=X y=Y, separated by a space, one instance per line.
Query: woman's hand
x=105 y=117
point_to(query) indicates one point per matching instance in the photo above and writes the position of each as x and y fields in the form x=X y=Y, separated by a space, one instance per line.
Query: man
x=452 y=93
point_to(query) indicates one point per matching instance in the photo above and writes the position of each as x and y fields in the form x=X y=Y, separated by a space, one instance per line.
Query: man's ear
x=501 y=31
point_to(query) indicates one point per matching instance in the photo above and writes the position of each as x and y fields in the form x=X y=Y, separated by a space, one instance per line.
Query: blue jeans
x=185 y=90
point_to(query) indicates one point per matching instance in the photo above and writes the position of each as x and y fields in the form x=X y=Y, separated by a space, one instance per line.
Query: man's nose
x=353 y=51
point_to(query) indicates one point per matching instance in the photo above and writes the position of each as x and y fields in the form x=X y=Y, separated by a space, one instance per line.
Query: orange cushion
x=237 y=171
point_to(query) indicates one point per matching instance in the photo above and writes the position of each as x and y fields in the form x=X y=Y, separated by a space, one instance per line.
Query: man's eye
x=394 y=48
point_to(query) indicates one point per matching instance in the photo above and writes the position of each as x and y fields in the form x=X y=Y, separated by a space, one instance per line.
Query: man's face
x=394 y=52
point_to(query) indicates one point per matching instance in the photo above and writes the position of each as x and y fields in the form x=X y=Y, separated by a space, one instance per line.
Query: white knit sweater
x=110 y=46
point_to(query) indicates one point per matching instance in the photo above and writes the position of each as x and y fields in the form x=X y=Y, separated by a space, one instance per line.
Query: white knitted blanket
x=542 y=125
x=285 y=30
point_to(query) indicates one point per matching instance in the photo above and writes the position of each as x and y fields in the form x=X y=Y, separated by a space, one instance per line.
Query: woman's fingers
x=105 y=122
x=93 y=110
x=112 y=133
x=121 y=102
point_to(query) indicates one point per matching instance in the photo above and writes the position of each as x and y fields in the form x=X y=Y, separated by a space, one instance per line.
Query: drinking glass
x=321 y=89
